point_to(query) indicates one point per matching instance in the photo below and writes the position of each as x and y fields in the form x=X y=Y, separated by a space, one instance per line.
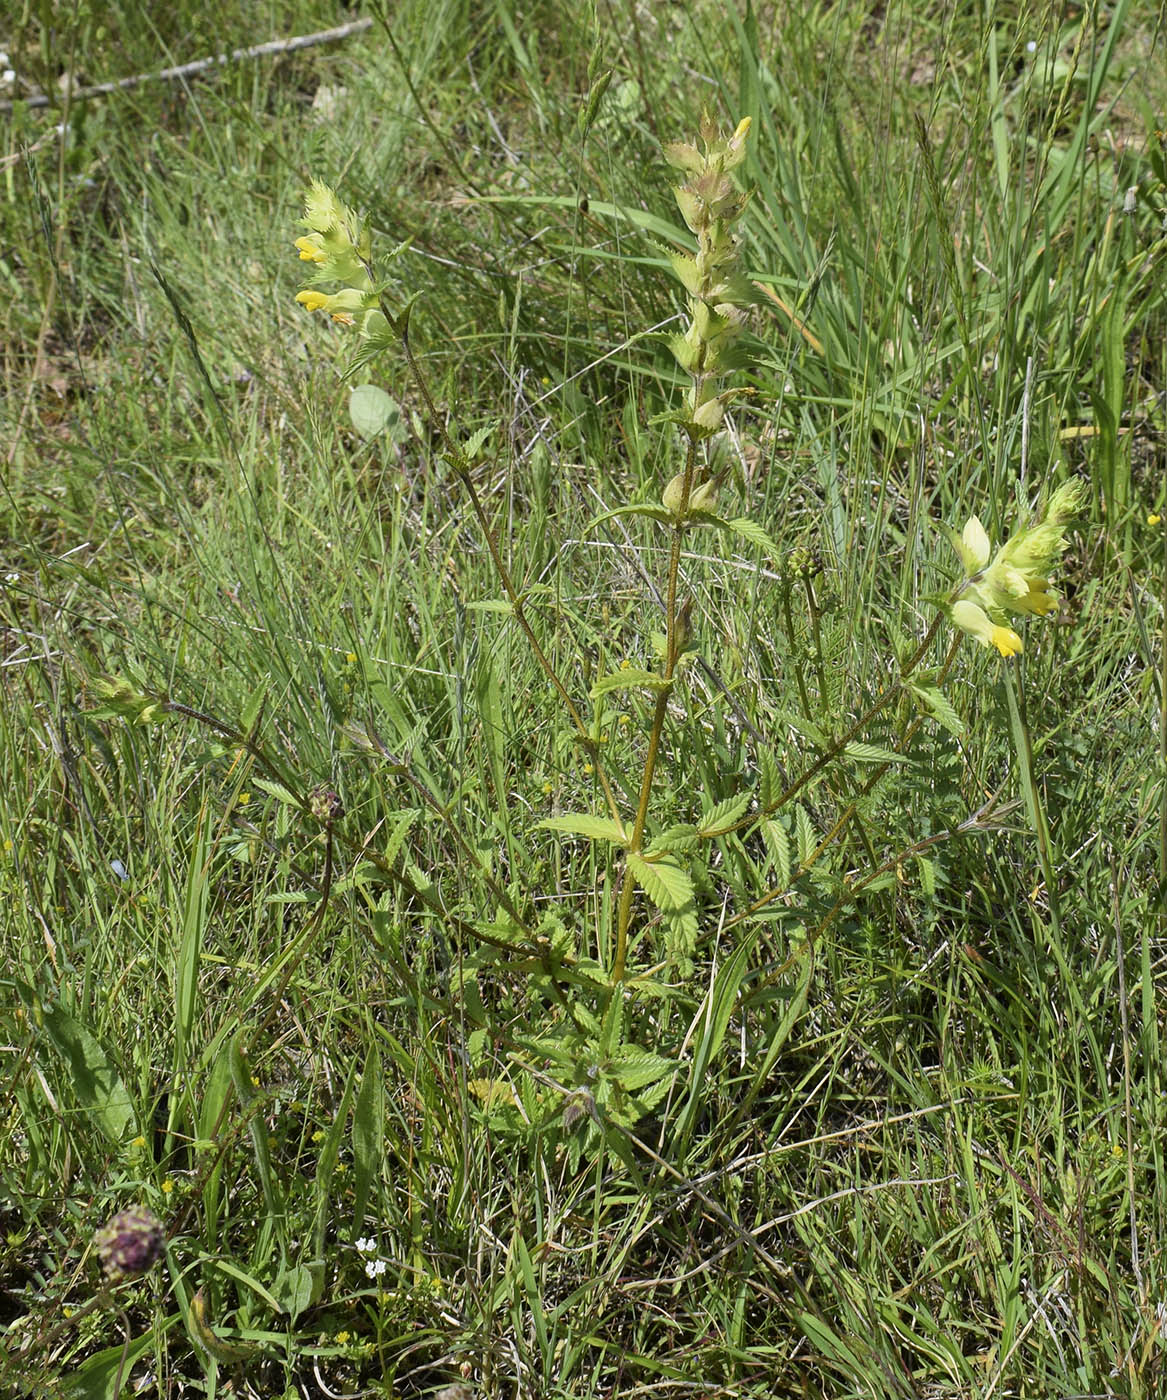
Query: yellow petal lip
x=313 y=301
x=310 y=249
x=1007 y=642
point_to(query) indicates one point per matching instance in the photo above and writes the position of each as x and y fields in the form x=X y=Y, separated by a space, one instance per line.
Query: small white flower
x=365 y=1246
x=12 y=578
x=8 y=75
x=1031 y=47
x=375 y=1268
x=3 y=58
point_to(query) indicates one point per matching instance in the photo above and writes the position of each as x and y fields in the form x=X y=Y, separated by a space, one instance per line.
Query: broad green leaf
x=93 y=1076
x=97 y=1376
x=372 y=410
x=296 y=1288
x=584 y=824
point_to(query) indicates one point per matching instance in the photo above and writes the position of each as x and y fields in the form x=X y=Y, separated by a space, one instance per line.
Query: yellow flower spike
x=973 y=619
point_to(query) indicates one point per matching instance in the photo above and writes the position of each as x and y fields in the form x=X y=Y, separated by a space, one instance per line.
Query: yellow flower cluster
x=1016 y=579
x=339 y=247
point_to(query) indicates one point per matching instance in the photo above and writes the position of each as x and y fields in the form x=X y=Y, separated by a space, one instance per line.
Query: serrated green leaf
x=401 y=829
x=679 y=839
x=750 y=530
x=585 y=824
x=872 y=753
x=276 y=790
x=685 y=269
x=801 y=725
x=724 y=815
x=651 y=512
x=635 y=1068
x=805 y=833
x=251 y=709
x=476 y=441
x=938 y=706
x=663 y=881
x=502 y=606
x=771 y=785
x=630 y=678
x=777 y=840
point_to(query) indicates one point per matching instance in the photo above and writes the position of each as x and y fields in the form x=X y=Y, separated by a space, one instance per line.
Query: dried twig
x=187 y=70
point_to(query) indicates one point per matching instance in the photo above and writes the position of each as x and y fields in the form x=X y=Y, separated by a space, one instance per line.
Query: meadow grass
x=882 y=1114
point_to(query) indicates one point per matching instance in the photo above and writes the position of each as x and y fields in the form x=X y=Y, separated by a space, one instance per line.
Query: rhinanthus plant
x=658 y=868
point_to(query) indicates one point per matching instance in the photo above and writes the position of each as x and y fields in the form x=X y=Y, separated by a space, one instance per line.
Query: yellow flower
x=1154 y=518
x=341 y=306
x=311 y=248
x=976 y=622
x=167 y=1187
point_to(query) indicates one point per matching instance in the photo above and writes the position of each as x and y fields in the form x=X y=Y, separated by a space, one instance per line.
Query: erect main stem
x=672 y=653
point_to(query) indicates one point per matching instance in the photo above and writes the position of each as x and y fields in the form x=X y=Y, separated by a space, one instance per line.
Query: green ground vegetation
x=313 y=942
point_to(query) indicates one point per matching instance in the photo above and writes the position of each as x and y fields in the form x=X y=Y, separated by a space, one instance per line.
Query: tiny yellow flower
x=139 y=1142
x=167 y=1187
x=350 y=658
x=1154 y=518
x=317 y=1136
x=312 y=300
x=342 y=1338
x=243 y=799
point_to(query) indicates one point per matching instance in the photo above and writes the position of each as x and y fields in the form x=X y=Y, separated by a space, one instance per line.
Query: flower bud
x=129 y=1244
x=673 y=496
